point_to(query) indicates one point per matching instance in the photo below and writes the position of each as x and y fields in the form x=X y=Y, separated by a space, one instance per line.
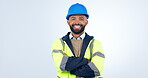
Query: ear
x=86 y=22
x=68 y=22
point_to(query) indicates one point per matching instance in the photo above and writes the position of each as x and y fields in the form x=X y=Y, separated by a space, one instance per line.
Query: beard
x=76 y=31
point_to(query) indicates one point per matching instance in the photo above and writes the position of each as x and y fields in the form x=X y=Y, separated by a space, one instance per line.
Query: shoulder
x=56 y=40
x=96 y=42
x=97 y=46
x=57 y=44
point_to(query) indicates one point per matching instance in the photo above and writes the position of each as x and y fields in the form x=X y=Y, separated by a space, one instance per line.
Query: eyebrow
x=81 y=17
x=73 y=17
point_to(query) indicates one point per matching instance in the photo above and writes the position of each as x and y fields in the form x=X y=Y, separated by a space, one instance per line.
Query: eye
x=72 y=18
x=81 y=18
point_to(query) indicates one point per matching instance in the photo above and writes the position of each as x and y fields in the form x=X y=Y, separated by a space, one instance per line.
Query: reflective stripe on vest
x=98 y=54
x=62 y=44
x=94 y=68
x=63 y=63
x=91 y=46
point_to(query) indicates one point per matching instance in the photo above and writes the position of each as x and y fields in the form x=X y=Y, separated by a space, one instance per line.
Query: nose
x=77 y=21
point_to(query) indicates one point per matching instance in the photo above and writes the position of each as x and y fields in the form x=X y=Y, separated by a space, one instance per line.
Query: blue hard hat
x=77 y=9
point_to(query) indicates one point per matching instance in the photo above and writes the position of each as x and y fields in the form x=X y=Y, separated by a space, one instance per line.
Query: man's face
x=77 y=23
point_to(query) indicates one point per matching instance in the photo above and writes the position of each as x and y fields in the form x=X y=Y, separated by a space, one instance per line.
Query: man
x=78 y=55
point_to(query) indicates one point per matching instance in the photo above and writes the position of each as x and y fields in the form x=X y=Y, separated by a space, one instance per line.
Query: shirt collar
x=79 y=38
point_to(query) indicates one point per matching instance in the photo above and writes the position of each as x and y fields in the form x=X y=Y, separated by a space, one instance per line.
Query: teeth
x=77 y=26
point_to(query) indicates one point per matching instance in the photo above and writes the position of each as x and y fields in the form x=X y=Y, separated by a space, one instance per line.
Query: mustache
x=76 y=24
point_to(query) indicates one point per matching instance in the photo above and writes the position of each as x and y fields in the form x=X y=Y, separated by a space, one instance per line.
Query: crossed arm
x=79 y=66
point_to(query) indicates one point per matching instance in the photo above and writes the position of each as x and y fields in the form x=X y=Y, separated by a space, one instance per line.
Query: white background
x=28 y=28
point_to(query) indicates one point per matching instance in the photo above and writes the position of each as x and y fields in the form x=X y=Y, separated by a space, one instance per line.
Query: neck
x=77 y=35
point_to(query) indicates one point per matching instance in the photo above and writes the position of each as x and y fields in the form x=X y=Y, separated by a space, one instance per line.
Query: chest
x=77 y=47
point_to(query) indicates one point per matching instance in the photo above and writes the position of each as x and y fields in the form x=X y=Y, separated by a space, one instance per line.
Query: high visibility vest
x=93 y=52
